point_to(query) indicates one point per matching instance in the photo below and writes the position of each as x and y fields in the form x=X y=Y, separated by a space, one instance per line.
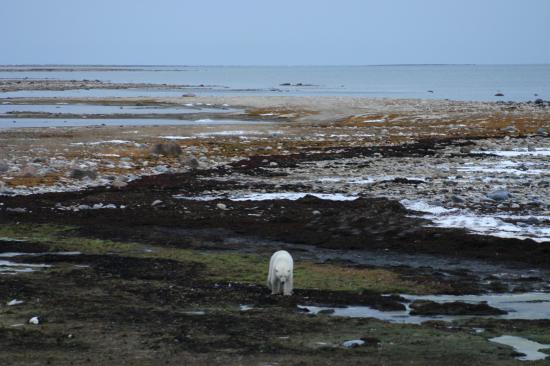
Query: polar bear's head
x=283 y=271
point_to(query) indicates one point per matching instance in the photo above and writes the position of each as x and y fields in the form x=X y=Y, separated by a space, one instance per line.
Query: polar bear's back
x=281 y=256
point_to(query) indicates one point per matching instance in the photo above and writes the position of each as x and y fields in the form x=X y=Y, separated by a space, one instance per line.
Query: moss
x=223 y=266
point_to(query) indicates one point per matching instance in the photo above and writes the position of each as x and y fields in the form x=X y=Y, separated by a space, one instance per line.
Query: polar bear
x=281 y=276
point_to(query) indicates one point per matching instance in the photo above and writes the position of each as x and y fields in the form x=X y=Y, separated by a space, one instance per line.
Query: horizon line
x=270 y=65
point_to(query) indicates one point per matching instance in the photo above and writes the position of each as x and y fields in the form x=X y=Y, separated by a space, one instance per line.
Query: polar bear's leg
x=289 y=286
x=275 y=286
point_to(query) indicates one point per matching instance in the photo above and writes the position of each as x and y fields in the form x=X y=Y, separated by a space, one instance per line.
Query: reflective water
x=459 y=82
x=108 y=109
x=525 y=346
x=533 y=305
x=67 y=122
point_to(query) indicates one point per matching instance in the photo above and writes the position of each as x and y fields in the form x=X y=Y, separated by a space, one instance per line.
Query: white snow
x=15 y=302
x=516 y=152
x=292 y=196
x=176 y=137
x=34 y=320
x=479 y=224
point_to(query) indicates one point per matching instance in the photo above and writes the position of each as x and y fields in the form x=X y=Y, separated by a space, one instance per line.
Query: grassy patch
x=224 y=266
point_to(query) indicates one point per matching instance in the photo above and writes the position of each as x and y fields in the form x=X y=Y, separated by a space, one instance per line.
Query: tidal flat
x=383 y=203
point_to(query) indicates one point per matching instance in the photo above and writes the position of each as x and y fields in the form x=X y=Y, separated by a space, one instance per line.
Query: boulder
x=83 y=173
x=499 y=195
x=166 y=149
x=190 y=162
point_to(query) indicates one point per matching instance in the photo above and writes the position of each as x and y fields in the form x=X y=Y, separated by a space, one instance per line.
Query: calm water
x=458 y=82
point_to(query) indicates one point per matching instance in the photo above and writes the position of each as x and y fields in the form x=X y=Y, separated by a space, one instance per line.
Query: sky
x=274 y=32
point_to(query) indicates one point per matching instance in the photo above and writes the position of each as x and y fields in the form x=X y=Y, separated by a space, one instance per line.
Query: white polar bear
x=281 y=273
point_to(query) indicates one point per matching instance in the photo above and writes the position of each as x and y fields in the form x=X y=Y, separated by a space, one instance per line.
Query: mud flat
x=169 y=228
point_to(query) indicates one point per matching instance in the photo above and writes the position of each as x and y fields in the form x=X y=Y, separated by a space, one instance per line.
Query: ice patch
x=516 y=152
x=292 y=196
x=176 y=137
x=478 y=224
x=15 y=302
x=108 y=142
x=529 y=348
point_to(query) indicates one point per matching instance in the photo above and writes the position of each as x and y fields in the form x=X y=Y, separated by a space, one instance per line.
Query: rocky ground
x=152 y=242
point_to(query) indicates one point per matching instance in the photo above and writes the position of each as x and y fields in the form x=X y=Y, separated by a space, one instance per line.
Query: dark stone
x=168 y=149
x=81 y=174
x=499 y=195
x=424 y=307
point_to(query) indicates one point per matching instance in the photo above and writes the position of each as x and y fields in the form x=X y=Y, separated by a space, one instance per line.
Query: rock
x=326 y=311
x=499 y=94
x=4 y=167
x=82 y=173
x=189 y=95
x=510 y=129
x=539 y=101
x=425 y=307
x=190 y=162
x=499 y=195
x=466 y=149
x=353 y=343
x=542 y=131
x=161 y=169
x=28 y=171
x=119 y=183
x=221 y=206
x=273 y=164
x=16 y=210
x=34 y=320
x=166 y=149
x=156 y=202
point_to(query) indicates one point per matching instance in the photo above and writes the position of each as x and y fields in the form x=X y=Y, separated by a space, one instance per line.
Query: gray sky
x=274 y=32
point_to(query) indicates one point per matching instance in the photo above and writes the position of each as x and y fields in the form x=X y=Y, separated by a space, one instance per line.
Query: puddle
x=74 y=122
x=9 y=268
x=532 y=306
x=292 y=196
x=110 y=109
x=529 y=348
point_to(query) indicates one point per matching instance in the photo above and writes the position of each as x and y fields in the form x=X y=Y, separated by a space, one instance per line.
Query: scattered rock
x=28 y=171
x=82 y=174
x=353 y=343
x=499 y=195
x=166 y=149
x=425 y=307
x=16 y=210
x=221 y=206
x=510 y=129
x=4 y=167
x=190 y=162
x=119 y=183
